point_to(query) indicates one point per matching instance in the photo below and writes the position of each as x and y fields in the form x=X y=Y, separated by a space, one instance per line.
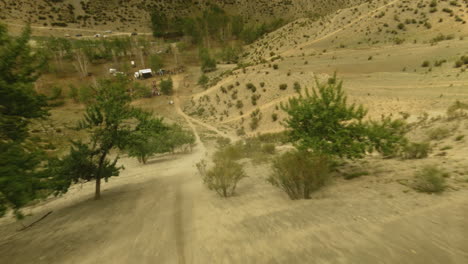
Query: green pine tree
x=21 y=179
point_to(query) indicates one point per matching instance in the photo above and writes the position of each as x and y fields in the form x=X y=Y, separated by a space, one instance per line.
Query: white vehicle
x=108 y=31
x=144 y=74
x=112 y=71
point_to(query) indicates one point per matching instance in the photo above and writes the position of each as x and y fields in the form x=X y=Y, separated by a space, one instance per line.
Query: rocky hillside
x=134 y=14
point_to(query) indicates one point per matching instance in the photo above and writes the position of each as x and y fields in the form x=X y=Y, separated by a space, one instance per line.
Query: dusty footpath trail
x=161 y=213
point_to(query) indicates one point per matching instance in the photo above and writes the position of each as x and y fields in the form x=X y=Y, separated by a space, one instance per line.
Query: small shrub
x=446 y=148
x=262 y=84
x=268 y=148
x=416 y=150
x=274 y=117
x=457 y=110
x=256 y=116
x=297 y=87
x=239 y=104
x=425 y=64
x=438 y=133
x=299 y=173
x=223 y=177
x=460 y=138
x=430 y=180
x=251 y=87
x=275 y=66
x=167 y=86
x=56 y=93
x=353 y=175
x=74 y=93
x=203 y=80
x=283 y=86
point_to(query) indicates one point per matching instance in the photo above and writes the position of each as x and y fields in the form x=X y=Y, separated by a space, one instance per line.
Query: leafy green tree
x=176 y=137
x=230 y=54
x=153 y=137
x=149 y=139
x=324 y=123
x=159 y=23
x=192 y=28
x=111 y=123
x=20 y=177
x=388 y=136
x=237 y=25
x=156 y=62
x=207 y=62
x=61 y=48
x=167 y=86
x=216 y=21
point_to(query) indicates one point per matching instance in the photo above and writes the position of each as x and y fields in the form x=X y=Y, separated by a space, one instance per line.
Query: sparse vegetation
x=274 y=117
x=297 y=87
x=203 y=80
x=299 y=173
x=438 y=133
x=430 y=179
x=255 y=118
x=224 y=176
x=416 y=150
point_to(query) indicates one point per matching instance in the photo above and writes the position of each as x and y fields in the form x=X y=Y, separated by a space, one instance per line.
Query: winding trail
x=355 y=21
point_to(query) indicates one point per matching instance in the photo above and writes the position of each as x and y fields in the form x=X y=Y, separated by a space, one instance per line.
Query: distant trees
x=208 y=63
x=61 y=48
x=159 y=23
x=156 y=62
x=21 y=176
x=167 y=86
x=213 y=23
x=155 y=137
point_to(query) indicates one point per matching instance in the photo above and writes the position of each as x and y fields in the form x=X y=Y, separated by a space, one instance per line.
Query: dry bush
x=416 y=150
x=430 y=180
x=299 y=173
x=223 y=177
x=438 y=133
x=268 y=148
x=457 y=111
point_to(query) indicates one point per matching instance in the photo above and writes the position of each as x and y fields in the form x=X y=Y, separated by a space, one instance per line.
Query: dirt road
x=161 y=213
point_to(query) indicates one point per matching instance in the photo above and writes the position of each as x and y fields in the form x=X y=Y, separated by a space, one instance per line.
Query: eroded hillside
x=134 y=14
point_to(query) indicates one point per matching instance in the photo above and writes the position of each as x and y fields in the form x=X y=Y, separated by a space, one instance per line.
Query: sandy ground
x=161 y=213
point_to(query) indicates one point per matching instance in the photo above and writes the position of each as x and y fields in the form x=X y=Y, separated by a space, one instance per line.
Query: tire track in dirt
x=182 y=217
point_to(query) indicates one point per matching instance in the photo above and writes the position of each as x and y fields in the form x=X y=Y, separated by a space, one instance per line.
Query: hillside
x=134 y=14
x=380 y=60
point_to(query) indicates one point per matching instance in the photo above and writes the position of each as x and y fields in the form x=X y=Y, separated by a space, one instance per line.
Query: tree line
x=212 y=24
